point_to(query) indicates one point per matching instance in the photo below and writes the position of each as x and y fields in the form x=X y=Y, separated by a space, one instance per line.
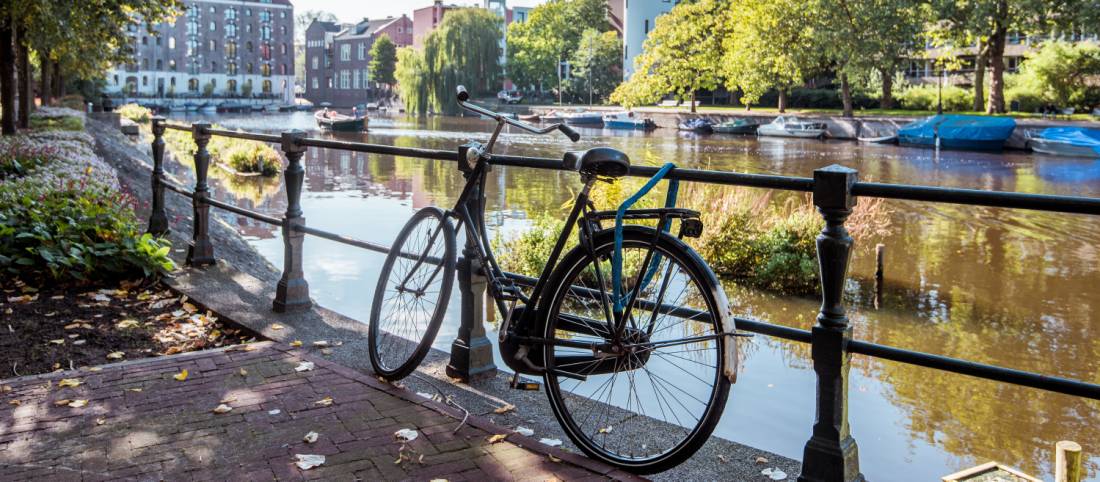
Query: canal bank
x=242 y=283
x=839 y=127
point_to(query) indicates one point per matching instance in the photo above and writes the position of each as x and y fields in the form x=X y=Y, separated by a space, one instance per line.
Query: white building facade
x=639 y=18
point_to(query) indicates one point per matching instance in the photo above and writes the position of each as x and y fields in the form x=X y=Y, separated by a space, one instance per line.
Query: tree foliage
x=303 y=19
x=1060 y=72
x=771 y=45
x=383 y=60
x=681 y=55
x=551 y=34
x=597 y=64
x=464 y=50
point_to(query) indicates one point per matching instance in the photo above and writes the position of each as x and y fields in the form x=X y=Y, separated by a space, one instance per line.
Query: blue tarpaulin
x=959 y=131
x=1074 y=136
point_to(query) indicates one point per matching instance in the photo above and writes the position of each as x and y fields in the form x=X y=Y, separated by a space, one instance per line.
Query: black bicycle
x=629 y=329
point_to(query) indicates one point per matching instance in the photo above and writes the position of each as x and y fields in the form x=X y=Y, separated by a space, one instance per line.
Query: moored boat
x=584 y=119
x=697 y=124
x=788 y=126
x=1067 y=141
x=953 y=131
x=626 y=120
x=552 y=116
x=891 y=139
x=333 y=121
x=529 y=118
x=208 y=108
x=191 y=106
x=736 y=126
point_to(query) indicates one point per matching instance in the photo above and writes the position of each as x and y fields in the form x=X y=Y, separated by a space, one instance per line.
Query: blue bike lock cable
x=617 y=258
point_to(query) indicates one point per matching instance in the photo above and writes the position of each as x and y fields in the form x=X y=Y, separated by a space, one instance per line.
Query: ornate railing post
x=471 y=352
x=293 y=292
x=158 y=219
x=201 y=252
x=831 y=454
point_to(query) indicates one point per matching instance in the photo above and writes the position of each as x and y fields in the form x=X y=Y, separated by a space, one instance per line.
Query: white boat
x=788 y=126
x=208 y=108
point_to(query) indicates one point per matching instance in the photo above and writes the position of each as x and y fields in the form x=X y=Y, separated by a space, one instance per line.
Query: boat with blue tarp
x=1067 y=141
x=627 y=120
x=956 y=131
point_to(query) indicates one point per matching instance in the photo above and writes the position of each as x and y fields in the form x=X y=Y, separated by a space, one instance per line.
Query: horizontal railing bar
x=177 y=127
x=989 y=372
x=245 y=135
x=245 y=212
x=1000 y=199
x=342 y=239
x=173 y=187
x=437 y=154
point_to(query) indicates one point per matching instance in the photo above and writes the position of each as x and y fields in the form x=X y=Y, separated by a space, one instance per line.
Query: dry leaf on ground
x=243 y=372
x=310 y=437
x=306 y=462
x=508 y=407
x=78 y=403
x=115 y=355
x=100 y=421
x=498 y=438
x=553 y=458
x=324 y=402
x=69 y=382
x=296 y=343
x=181 y=376
x=321 y=343
x=127 y=323
x=276 y=326
x=222 y=408
x=59 y=341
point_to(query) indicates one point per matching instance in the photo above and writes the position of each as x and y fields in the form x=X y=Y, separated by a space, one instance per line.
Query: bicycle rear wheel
x=412 y=293
x=650 y=403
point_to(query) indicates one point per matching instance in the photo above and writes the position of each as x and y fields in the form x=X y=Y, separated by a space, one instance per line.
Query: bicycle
x=599 y=337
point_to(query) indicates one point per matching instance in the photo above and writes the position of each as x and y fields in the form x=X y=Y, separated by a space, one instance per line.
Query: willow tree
x=770 y=45
x=464 y=50
x=681 y=55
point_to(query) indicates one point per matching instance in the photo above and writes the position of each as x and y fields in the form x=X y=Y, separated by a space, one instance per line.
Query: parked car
x=510 y=96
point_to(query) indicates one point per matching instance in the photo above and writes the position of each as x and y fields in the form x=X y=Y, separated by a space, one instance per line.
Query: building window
x=345 y=52
x=362 y=51
x=145 y=64
x=193 y=12
x=172 y=65
x=265 y=51
x=192 y=27
x=355 y=79
x=366 y=77
x=193 y=85
x=265 y=70
x=282 y=14
x=160 y=64
x=265 y=16
x=212 y=45
x=231 y=13
x=158 y=41
x=171 y=42
x=328 y=82
x=248 y=12
x=316 y=84
x=192 y=47
x=282 y=49
x=247 y=28
x=267 y=87
x=265 y=32
x=282 y=69
x=231 y=49
x=248 y=68
x=231 y=86
x=145 y=40
x=213 y=9
x=282 y=30
x=314 y=62
x=647 y=26
x=213 y=26
x=144 y=80
x=231 y=30
x=345 y=79
x=213 y=66
x=231 y=68
x=248 y=46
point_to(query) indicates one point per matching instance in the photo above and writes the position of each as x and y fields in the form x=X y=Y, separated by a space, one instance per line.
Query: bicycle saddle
x=599 y=161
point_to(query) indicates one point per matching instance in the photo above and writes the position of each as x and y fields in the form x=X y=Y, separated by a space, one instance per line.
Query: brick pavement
x=142 y=424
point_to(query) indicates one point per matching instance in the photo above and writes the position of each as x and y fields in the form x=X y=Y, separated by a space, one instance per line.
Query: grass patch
x=66 y=123
x=246 y=157
x=135 y=113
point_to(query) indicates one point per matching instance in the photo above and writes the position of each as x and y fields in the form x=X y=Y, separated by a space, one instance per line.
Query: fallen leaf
x=310 y=437
x=324 y=402
x=94 y=369
x=228 y=400
x=526 y=432
x=100 y=421
x=15 y=402
x=306 y=462
x=243 y=372
x=553 y=442
x=78 y=403
x=276 y=326
x=508 y=407
x=553 y=458
x=69 y=382
x=127 y=323
x=425 y=395
x=326 y=351
x=304 y=366
x=723 y=459
x=62 y=402
x=181 y=376
x=606 y=429
x=498 y=438
x=274 y=412
x=222 y=408
x=214 y=335
x=115 y=355
x=406 y=435
x=50 y=314
x=296 y=343
x=761 y=460
x=439 y=480
x=178 y=313
x=102 y=298
x=321 y=343
x=420 y=460
x=5 y=389
x=188 y=307
x=59 y=341
x=135 y=390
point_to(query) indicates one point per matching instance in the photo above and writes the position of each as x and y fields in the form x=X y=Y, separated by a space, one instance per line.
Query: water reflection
x=1011 y=288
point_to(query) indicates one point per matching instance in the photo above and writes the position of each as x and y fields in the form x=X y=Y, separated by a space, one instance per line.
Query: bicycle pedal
x=518 y=384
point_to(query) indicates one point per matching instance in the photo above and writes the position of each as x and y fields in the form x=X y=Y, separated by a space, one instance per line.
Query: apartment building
x=224 y=48
x=338 y=58
x=1017 y=46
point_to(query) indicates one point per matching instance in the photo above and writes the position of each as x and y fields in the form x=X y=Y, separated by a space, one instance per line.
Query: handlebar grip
x=569 y=132
x=463 y=96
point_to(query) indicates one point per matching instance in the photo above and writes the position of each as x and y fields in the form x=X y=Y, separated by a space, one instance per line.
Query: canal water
x=1006 y=287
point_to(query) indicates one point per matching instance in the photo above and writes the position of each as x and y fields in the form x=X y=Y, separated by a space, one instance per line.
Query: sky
x=355 y=10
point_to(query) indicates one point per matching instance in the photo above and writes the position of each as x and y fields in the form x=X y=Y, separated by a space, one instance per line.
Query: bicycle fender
x=728 y=326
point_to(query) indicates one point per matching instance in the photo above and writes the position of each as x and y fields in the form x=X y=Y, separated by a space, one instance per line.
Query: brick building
x=338 y=58
x=226 y=46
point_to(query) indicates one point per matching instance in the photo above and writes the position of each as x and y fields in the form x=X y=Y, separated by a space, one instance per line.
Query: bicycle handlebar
x=463 y=101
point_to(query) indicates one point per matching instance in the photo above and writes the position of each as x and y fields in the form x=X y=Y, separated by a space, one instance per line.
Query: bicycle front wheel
x=649 y=401
x=412 y=293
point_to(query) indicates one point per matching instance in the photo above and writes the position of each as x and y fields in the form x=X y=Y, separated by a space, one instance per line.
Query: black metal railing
x=830 y=454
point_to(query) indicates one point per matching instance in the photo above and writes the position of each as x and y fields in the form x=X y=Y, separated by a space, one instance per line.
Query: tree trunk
x=782 y=100
x=693 y=102
x=846 y=95
x=887 y=100
x=7 y=78
x=997 y=60
x=979 y=78
x=45 y=84
x=26 y=91
x=58 y=81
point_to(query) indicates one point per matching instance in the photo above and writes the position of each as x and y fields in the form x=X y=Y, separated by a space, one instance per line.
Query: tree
x=383 y=60
x=682 y=54
x=303 y=20
x=598 y=63
x=551 y=35
x=464 y=50
x=1060 y=72
x=770 y=45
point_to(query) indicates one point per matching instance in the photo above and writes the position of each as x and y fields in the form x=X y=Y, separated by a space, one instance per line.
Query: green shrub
x=777 y=255
x=19 y=156
x=72 y=101
x=80 y=230
x=66 y=123
x=135 y=113
x=1062 y=73
x=253 y=158
x=925 y=97
x=803 y=98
